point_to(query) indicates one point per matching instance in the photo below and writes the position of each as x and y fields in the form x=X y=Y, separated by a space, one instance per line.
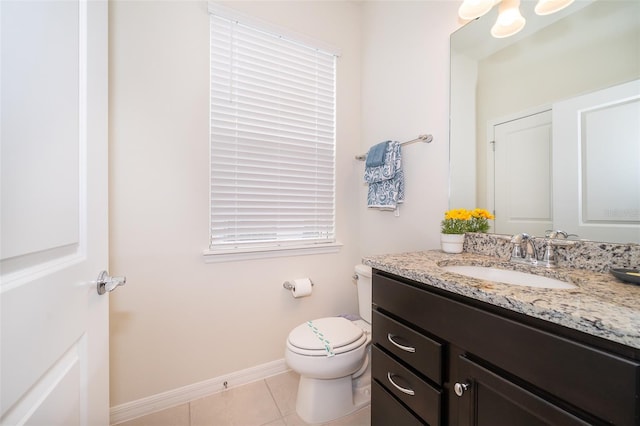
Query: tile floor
x=269 y=402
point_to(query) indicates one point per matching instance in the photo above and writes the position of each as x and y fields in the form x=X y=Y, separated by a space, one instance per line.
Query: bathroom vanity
x=454 y=350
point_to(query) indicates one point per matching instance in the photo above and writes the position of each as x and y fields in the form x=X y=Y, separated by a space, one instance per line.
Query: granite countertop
x=600 y=305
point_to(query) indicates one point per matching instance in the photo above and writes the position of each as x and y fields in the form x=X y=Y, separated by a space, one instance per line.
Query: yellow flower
x=459 y=221
x=459 y=214
x=482 y=213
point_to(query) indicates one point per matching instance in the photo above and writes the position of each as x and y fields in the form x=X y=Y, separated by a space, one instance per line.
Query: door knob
x=459 y=388
x=107 y=283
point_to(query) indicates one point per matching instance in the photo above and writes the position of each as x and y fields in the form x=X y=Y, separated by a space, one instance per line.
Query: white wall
x=180 y=321
x=405 y=88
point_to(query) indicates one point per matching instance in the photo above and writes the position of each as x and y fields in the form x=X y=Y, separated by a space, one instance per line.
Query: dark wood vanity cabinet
x=444 y=359
x=488 y=398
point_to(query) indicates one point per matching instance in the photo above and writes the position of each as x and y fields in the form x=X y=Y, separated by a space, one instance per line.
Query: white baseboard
x=151 y=404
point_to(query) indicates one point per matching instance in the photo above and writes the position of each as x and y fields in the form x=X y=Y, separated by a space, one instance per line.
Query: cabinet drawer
x=386 y=410
x=414 y=392
x=417 y=350
x=601 y=383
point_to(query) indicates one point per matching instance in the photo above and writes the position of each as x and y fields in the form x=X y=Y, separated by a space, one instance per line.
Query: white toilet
x=332 y=357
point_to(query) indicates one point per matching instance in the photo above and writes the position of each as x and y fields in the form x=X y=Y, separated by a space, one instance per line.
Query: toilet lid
x=339 y=333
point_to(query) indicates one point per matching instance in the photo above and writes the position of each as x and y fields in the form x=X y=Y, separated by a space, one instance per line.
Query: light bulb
x=509 y=21
x=547 y=7
x=472 y=9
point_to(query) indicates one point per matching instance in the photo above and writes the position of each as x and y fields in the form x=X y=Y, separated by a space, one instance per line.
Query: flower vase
x=452 y=243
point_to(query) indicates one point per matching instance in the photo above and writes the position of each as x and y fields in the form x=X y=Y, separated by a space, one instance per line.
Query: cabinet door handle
x=403 y=347
x=459 y=388
x=400 y=388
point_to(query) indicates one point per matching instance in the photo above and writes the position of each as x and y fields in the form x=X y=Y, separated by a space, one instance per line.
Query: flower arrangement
x=455 y=221
x=459 y=221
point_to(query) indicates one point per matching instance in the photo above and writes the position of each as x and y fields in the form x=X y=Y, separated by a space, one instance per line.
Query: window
x=272 y=136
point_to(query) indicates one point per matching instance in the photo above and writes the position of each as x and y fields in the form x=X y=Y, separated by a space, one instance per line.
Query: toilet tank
x=364 y=291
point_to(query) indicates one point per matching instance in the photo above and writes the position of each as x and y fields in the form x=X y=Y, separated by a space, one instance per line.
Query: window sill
x=218 y=256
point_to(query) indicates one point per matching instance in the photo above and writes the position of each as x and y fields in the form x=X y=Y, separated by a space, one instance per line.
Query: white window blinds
x=272 y=139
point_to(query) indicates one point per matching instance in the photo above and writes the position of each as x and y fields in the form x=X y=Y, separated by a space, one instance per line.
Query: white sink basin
x=506 y=276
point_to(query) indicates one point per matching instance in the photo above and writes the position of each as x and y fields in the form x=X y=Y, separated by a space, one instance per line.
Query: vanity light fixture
x=472 y=9
x=547 y=7
x=510 y=20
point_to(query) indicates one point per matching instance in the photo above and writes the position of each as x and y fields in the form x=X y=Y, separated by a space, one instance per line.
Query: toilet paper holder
x=290 y=286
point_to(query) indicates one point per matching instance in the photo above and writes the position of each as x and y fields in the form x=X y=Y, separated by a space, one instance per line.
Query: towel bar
x=423 y=138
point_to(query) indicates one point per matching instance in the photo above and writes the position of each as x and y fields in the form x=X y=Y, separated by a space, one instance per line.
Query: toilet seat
x=311 y=338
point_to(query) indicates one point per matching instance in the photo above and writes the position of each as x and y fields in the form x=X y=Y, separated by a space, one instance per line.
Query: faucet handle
x=520 y=238
x=523 y=248
x=559 y=234
x=549 y=256
x=516 y=240
x=517 y=251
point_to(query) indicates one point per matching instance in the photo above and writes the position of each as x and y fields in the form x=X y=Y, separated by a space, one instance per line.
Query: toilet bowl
x=332 y=357
x=326 y=348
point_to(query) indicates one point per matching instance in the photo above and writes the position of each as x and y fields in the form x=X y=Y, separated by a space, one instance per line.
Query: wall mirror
x=545 y=124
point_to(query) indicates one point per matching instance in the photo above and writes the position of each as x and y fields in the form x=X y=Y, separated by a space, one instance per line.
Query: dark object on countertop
x=628 y=275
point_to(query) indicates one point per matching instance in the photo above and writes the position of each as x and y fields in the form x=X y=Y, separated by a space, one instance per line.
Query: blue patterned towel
x=387 y=169
x=375 y=156
x=386 y=182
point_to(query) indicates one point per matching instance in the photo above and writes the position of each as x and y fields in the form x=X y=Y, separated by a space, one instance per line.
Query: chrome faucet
x=523 y=249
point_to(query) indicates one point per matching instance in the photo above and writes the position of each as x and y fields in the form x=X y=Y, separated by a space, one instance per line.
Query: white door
x=54 y=230
x=597 y=164
x=522 y=158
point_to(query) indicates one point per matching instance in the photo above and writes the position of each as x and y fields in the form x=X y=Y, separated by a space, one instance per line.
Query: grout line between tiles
x=273 y=398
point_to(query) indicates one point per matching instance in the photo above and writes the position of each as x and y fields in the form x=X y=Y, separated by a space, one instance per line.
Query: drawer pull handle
x=400 y=388
x=403 y=347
